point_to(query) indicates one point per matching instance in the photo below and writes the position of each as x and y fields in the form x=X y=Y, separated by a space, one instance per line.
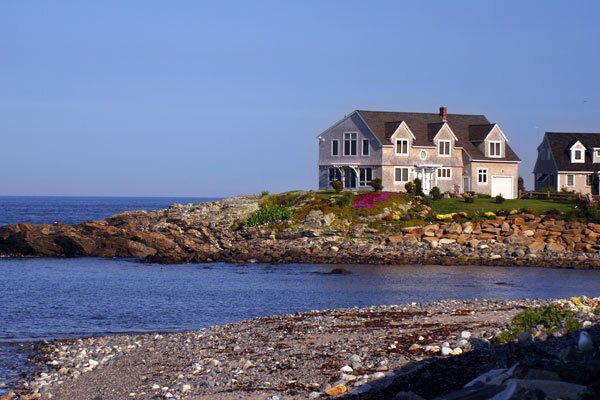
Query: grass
x=445 y=206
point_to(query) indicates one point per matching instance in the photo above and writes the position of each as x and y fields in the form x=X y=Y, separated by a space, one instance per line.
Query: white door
x=502 y=185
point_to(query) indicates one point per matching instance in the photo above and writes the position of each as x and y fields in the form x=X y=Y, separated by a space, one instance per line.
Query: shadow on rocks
x=550 y=369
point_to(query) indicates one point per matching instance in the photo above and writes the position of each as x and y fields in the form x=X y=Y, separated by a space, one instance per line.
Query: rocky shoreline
x=214 y=232
x=421 y=351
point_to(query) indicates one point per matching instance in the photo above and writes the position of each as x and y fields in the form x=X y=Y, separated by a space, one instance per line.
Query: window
x=482 y=175
x=334 y=175
x=350 y=143
x=444 y=147
x=366 y=175
x=570 y=180
x=335 y=147
x=444 y=173
x=402 y=147
x=577 y=155
x=401 y=174
x=495 y=149
x=588 y=180
x=365 y=147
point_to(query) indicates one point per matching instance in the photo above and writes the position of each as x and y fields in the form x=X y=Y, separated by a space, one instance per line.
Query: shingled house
x=451 y=151
x=568 y=161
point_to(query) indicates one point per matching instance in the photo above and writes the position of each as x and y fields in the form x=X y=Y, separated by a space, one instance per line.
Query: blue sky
x=221 y=98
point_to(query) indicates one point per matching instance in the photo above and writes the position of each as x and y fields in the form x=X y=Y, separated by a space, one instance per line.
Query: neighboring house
x=568 y=161
x=454 y=152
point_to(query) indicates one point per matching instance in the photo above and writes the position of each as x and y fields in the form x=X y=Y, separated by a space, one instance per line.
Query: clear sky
x=221 y=98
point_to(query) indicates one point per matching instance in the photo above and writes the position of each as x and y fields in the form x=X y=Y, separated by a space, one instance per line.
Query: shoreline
x=296 y=356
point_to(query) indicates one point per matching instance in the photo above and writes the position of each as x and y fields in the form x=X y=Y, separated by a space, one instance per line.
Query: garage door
x=502 y=185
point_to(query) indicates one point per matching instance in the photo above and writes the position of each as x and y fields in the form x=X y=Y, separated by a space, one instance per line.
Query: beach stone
x=446 y=351
x=336 y=390
x=346 y=369
x=465 y=335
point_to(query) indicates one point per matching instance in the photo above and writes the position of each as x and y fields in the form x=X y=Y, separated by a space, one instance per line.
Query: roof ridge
x=419 y=112
x=575 y=133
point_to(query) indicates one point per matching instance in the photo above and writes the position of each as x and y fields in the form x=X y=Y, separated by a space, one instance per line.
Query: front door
x=466 y=184
x=349 y=178
x=426 y=175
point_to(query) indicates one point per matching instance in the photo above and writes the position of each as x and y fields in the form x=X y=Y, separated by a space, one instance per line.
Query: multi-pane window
x=365 y=147
x=335 y=147
x=350 y=143
x=444 y=173
x=495 y=149
x=334 y=175
x=589 y=179
x=444 y=147
x=401 y=174
x=570 y=180
x=402 y=147
x=482 y=175
x=366 y=175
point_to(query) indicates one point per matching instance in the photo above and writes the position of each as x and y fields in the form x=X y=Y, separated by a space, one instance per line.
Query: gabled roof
x=384 y=123
x=478 y=133
x=561 y=143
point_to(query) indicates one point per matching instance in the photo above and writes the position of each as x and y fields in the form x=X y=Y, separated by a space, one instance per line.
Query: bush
x=377 y=185
x=552 y=317
x=499 y=199
x=410 y=188
x=418 y=187
x=469 y=198
x=435 y=193
x=345 y=200
x=269 y=213
x=337 y=185
x=264 y=193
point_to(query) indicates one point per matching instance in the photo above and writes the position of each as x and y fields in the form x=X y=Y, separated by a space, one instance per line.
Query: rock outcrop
x=214 y=232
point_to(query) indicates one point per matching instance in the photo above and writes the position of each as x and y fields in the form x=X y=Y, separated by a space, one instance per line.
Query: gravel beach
x=307 y=355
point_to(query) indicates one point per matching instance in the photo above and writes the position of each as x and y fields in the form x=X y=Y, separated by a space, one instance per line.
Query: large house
x=454 y=152
x=568 y=161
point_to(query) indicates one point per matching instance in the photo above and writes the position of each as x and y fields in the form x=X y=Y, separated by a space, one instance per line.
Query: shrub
x=337 y=185
x=521 y=185
x=345 y=200
x=410 y=188
x=552 y=317
x=418 y=187
x=269 y=213
x=435 y=193
x=264 y=193
x=469 y=198
x=499 y=199
x=377 y=185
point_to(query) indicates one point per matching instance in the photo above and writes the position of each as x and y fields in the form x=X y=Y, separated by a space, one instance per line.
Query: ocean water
x=73 y=210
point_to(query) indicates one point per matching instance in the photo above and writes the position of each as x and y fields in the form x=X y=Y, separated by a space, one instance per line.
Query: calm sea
x=73 y=210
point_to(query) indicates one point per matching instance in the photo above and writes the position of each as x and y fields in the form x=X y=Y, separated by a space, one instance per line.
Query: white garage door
x=502 y=185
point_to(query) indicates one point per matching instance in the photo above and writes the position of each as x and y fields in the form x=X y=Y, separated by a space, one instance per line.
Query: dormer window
x=578 y=153
x=495 y=149
x=444 y=148
x=402 y=147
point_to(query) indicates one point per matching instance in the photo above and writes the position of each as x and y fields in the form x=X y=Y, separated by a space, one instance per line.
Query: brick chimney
x=444 y=113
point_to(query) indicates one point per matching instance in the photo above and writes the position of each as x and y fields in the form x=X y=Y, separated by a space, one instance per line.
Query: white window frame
x=443 y=176
x=353 y=136
x=365 y=182
x=440 y=142
x=482 y=172
x=338 y=148
x=407 y=147
x=367 y=147
x=575 y=159
x=491 y=146
x=572 y=176
x=407 y=174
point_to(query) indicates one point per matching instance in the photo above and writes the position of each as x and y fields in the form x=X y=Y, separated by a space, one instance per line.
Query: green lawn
x=445 y=206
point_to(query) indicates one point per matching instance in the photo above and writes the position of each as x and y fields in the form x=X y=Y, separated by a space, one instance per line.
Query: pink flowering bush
x=370 y=200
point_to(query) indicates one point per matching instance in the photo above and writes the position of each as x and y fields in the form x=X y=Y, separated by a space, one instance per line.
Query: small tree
x=521 y=185
x=418 y=187
x=377 y=185
x=337 y=185
x=499 y=199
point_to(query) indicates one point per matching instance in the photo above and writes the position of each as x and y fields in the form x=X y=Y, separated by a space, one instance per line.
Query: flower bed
x=370 y=200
